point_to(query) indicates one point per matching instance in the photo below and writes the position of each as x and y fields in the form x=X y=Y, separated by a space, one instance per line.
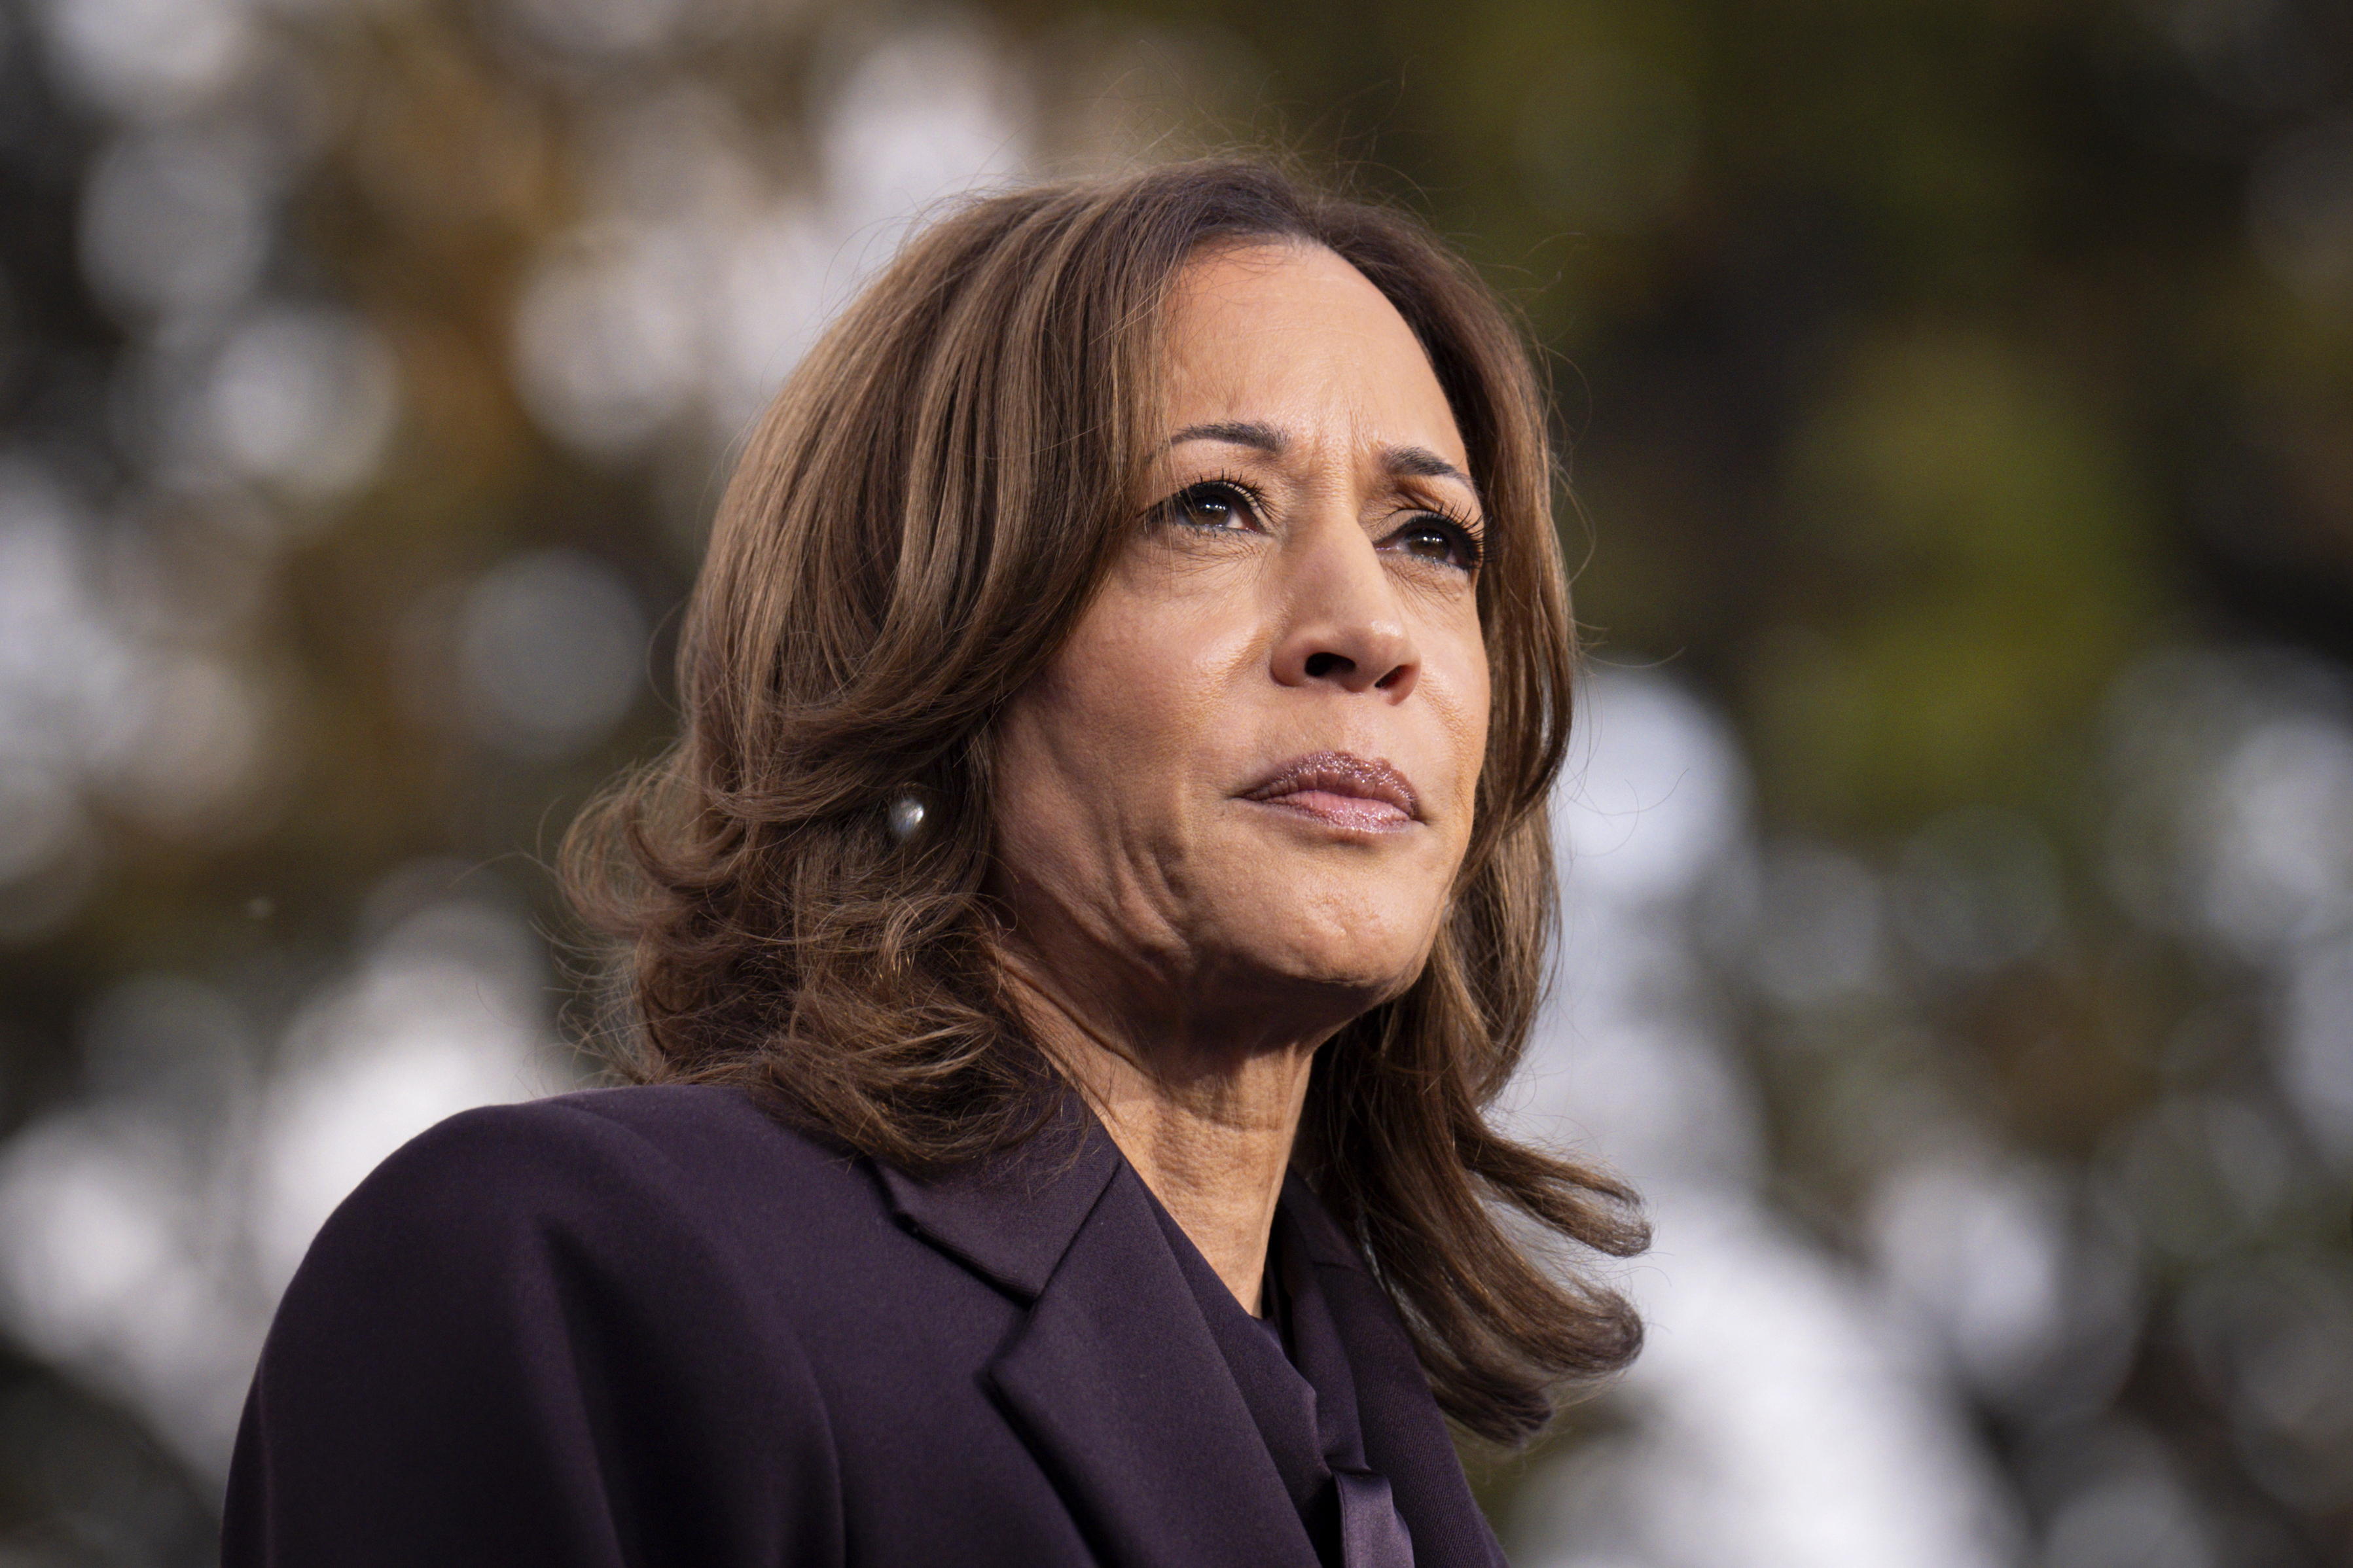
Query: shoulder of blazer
x=696 y=1127
x=531 y=1336
x=704 y=1154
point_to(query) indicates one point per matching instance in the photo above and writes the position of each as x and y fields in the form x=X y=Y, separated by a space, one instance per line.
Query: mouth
x=1342 y=790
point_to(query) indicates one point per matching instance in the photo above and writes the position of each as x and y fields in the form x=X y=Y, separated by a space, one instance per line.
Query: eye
x=1439 y=539
x=1219 y=504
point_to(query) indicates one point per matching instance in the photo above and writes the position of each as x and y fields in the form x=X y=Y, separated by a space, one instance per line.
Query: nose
x=1345 y=626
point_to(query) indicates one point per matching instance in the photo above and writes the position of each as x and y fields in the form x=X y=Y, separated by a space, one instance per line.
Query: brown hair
x=918 y=520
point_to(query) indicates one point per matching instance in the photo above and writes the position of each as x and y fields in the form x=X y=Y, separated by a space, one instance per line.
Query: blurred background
x=1960 y=396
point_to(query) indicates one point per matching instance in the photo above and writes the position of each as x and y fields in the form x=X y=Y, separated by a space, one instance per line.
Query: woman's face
x=1233 y=806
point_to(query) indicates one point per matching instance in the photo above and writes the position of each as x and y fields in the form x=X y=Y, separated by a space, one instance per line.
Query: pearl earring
x=906 y=819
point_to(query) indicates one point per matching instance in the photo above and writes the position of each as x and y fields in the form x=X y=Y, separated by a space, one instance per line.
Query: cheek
x=1112 y=719
x=1460 y=699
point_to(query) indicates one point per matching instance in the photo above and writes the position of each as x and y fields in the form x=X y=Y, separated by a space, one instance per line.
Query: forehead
x=1291 y=335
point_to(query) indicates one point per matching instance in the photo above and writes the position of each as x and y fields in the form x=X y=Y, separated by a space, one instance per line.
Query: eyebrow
x=1415 y=462
x=1237 y=433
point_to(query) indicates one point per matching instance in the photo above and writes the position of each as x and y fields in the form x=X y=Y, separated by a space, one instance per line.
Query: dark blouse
x=1292 y=1371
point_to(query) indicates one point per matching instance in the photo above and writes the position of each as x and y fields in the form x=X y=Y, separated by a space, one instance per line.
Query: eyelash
x=1223 y=487
x=1242 y=495
x=1463 y=531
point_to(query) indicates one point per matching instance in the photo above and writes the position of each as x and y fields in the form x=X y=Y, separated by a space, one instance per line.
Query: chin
x=1360 y=963
x=1328 y=918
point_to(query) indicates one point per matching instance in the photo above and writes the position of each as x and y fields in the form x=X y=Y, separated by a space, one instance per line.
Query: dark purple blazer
x=654 y=1326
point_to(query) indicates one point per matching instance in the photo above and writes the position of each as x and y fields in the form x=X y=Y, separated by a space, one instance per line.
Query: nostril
x=1320 y=665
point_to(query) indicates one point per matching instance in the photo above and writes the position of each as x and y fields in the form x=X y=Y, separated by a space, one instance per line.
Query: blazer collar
x=1010 y=1219
x=1113 y=1378
x=1116 y=1381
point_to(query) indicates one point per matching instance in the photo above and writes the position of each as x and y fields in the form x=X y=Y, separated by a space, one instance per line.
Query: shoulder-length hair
x=918 y=520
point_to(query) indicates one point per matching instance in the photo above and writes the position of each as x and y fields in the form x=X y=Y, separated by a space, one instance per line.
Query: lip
x=1341 y=789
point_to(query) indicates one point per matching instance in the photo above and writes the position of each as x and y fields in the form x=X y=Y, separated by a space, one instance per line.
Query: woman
x=1103 y=877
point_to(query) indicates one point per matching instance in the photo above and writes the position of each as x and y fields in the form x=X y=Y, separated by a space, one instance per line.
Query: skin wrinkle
x=1181 y=951
x=1418 y=461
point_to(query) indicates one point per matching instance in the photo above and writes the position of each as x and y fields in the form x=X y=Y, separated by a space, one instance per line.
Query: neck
x=1210 y=1131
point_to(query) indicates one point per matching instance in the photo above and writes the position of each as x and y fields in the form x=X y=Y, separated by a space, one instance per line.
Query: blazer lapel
x=1113 y=1378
